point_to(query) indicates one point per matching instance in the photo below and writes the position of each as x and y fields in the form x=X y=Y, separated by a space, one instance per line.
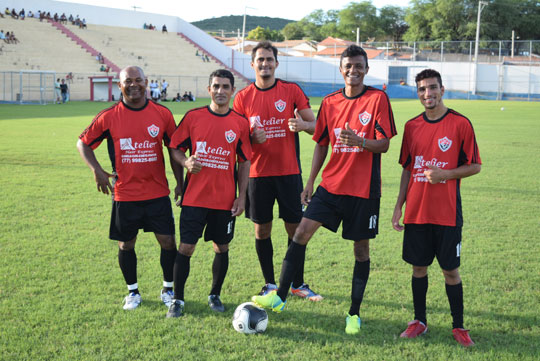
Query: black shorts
x=219 y=225
x=153 y=215
x=359 y=215
x=422 y=242
x=262 y=193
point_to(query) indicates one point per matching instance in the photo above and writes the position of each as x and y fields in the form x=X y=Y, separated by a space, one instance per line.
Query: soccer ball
x=248 y=318
x=502 y=108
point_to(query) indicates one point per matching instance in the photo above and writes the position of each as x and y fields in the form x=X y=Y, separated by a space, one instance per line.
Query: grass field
x=61 y=289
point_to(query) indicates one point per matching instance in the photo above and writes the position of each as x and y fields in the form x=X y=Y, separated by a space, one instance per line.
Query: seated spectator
x=177 y=98
x=8 y=38
x=13 y=39
x=14 y=14
x=22 y=14
x=402 y=82
x=185 y=97
x=191 y=97
x=145 y=26
x=2 y=35
x=41 y=15
x=48 y=16
x=164 y=29
x=56 y=17
x=70 y=19
x=7 y=12
x=102 y=68
x=82 y=25
x=197 y=52
x=206 y=57
x=63 y=18
x=30 y=14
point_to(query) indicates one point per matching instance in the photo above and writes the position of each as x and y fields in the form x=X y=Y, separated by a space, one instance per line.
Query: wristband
x=364 y=143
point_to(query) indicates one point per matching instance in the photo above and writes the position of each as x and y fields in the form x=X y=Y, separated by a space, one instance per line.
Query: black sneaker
x=215 y=303
x=176 y=309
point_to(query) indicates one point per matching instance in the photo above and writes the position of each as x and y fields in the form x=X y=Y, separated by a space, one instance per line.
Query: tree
x=260 y=33
x=361 y=15
x=293 y=31
x=392 y=22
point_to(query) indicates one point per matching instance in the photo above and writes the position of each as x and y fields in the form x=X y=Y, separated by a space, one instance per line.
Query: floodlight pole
x=244 y=26
x=481 y=5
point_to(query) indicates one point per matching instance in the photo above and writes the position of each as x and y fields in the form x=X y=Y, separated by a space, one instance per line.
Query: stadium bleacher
x=162 y=56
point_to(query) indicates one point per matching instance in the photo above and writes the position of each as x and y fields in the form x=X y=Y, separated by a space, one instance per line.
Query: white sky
x=194 y=10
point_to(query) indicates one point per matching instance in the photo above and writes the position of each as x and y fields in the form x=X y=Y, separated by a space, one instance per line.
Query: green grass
x=61 y=289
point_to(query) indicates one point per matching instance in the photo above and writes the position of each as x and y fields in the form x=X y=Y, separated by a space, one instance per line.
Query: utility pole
x=481 y=5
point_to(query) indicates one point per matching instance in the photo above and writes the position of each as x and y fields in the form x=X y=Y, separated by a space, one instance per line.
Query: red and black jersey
x=271 y=109
x=219 y=140
x=134 y=138
x=446 y=143
x=354 y=171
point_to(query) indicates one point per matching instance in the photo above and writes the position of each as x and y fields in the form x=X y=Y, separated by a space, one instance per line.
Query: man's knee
x=127 y=245
x=263 y=231
x=361 y=250
x=419 y=271
x=186 y=249
x=305 y=231
x=221 y=248
x=452 y=277
x=166 y=241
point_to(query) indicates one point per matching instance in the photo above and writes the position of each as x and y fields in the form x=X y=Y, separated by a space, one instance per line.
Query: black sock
x=359 y=282
x=298 y=279
x=181 y=273
x=219 y=271
x=455 y=298
x=167 y=259
x=293 y=257
x=128 y=264
x=419 y=291
x=265 y=251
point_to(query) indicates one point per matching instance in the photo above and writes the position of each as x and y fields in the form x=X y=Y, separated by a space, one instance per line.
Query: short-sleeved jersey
x=354 y=171
x=219 y=140
x=134 y=138
x=271 y=109
x=447 y=143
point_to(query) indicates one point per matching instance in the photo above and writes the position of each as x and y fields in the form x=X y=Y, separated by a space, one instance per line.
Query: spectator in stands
x=77 y=20
x=82 y=25
x=69 y=77
x=22 y=14
x=7 y=12
x=164 y=29
x=384 y=87
x=65 y=91
x=197 y=52
x=206 y=58
x=402 y=82
x=57 y=91
x=41 y=15
x=177 y=98
x=3 y=36
x=48 y=15
x=63 y=18
x=145 y=26
x=7 y=37
x=185 y=97
x=70 y=18
x=14 y=14
x=56 y=17
x=100 y=58
x=30 y=14
x=164 y=86
x=102 y=67
x=191 y=97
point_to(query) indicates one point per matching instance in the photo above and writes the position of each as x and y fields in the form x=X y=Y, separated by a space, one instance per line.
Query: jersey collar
x=356 y=96
x=436 y=120
x=265 y=89
x=136 y=109
x=217 y=114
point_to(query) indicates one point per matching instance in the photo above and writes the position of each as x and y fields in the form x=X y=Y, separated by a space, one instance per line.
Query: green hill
x=230 y=24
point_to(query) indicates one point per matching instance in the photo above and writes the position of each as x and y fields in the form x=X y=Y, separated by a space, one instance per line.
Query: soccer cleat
x=352 y=324
x=215 y=303
x=132 y=301
x=167 y=297
x=305 y=292
x=176 y=309
x=462 y=337
x=271 y=301
x=267 y=288
x=414 y=329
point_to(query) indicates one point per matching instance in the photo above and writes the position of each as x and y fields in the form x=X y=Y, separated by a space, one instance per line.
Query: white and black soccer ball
x=248 y=318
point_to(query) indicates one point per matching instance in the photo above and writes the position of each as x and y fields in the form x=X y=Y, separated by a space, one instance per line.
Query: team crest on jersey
x=153 y=130
x=230 y=136
x=280 y=105
x=364 y=118
x=201 y=148
x=255 y=121
x=445 y=144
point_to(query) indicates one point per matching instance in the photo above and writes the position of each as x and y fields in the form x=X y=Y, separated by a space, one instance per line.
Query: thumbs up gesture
x=192 y=164
x=349 y=137
x=297 y=124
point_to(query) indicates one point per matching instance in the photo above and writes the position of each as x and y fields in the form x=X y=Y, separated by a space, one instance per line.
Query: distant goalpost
x=27 y=87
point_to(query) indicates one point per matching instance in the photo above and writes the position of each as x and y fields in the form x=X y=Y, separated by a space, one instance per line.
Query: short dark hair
x=264 y=45
x=221 y=73
x=428 y=73
x=353 y=50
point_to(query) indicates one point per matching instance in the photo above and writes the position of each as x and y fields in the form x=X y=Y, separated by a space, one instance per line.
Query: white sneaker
x=167 y=297
x=132 y=301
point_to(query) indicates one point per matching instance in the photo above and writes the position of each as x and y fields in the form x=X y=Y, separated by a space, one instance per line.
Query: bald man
x=135 y=129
